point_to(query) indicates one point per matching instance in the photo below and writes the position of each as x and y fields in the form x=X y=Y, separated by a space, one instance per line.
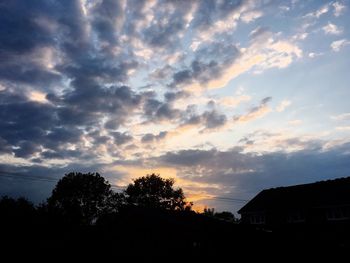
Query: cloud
x=341 y=117
x=287 y=140
x=264 y=52
x=343 y=128
x=151 y=138
x=30 y=47
x=233 y=101
x=313 y=54
x=251 y=16
x=157 y=111
x=38 y=96
x=319 y=12
x=242 y=175
x=161 y=73
x=22 y=120
x=339 y=44
x=213 y=17
x=255 y=112
x=339 y=8
x=30 y=127
x=212 y=172
x=168 y=25
x=195 y=45
x=284 y=8
x=121 y=138
x=208 y=120
x=174 y=96
x=283 y=105
x=295 y=122
x=106 y=20
x=206 y=68
x=213 y=119
x=332 y=29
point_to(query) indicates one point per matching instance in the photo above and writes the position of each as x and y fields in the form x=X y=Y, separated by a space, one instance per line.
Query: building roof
x=319 y=194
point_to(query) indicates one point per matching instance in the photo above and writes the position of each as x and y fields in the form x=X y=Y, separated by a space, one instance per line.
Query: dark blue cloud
x=105 y=20
x=150 y=138
x=209 y=63
x=211 y=11
x=23 y=124
x=20 y=32
x=26 y=28
x=156 y=110
x=171 y=21
x=28 y=126
x=209 y=119
x=173 y=96
x=121 y=138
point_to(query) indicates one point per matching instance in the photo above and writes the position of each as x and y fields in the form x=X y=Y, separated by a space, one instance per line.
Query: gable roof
x=324 y=193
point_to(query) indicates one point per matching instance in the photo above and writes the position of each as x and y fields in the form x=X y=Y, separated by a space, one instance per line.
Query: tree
x=226 y=216
x=208 y=211
x=81 y=198
x=152 y=191
x=19 y=212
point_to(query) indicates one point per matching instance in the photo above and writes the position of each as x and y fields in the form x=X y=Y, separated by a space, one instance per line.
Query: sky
x=227 y=97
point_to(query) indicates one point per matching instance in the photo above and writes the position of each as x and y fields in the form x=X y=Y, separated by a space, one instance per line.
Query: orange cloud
x=38 y=96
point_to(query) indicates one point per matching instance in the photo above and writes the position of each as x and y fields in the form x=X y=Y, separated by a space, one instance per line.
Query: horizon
x=227 y=97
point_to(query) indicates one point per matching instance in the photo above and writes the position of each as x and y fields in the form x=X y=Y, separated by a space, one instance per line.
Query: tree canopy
x=153 y=191
x=82 y=198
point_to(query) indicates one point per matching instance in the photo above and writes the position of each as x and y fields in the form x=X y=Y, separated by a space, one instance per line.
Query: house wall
x=313 y=215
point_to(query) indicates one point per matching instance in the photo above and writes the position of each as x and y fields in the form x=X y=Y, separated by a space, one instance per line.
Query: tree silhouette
x=224 y=215
x=152 y=191
x=81 y=198
x=209 y=211
x=19 y=212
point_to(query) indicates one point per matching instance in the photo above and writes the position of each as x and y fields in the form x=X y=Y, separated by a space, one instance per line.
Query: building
x=325 y=202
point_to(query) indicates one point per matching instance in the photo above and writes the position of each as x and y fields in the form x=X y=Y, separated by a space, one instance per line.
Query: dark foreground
x=153 y=234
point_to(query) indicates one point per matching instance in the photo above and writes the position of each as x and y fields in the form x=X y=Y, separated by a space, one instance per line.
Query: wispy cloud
x=314 y=55
x=332 y=29
x=339 y=44
x=255 y=112
x=343 y=128
x=341 y=117
x=251 y=16
x=319 y=12
x=283 y=105
x=264 y=52
x=339 y=8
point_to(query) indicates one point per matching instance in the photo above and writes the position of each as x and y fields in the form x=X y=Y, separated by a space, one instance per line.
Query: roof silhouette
x=318 y=194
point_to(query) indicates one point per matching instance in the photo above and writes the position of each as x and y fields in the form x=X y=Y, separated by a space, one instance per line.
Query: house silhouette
x=325 y=202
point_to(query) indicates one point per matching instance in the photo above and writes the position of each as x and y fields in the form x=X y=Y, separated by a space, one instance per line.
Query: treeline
x=149 y=219
x=87 y=199
x=83 y=213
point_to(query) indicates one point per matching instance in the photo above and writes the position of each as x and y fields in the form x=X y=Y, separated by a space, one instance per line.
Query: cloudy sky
x=228 y=97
